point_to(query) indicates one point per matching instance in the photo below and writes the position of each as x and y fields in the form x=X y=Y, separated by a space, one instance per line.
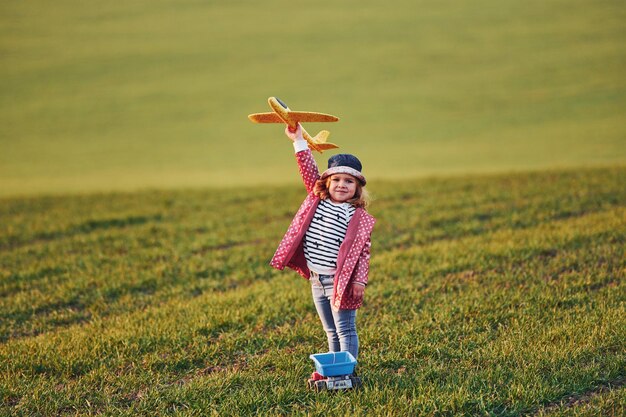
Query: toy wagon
x=334 y=371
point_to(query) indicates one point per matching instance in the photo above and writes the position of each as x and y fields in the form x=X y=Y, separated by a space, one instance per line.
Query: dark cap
x=344 y=163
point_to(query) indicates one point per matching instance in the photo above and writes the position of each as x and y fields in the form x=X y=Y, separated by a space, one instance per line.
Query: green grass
x=489 y=295
x=498 y=293
x=128 y=95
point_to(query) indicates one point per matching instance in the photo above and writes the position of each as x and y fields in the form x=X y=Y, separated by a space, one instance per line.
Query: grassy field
x=135 y=239
x=128 y=95
x=489 y=295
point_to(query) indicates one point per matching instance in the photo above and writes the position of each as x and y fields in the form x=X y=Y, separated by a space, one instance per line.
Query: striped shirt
x=325 y=235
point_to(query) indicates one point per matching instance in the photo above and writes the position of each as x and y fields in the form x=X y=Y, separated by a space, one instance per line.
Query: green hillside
x=128 y=95
x=489 y=295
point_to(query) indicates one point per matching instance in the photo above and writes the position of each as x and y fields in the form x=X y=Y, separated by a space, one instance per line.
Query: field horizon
x=41 y=191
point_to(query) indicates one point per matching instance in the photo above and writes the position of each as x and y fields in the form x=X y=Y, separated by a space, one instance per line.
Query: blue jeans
x=340 y=326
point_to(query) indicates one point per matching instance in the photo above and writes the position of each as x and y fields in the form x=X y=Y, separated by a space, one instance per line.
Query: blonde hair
x=361 y=196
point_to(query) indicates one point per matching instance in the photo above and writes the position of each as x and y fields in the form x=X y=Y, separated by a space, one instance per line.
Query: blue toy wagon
x=334 y=371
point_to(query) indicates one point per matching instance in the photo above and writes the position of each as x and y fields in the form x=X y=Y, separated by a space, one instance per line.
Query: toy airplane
x=282 y=114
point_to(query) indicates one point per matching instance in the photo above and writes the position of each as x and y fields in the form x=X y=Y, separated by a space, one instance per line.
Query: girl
x=328 y=241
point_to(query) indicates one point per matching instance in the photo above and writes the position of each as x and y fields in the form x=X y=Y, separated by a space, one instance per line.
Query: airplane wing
x=265 y=118
x=311 y=117
x=294 y=116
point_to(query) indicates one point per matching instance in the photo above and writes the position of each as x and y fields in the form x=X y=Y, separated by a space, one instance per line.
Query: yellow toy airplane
x=282 y=114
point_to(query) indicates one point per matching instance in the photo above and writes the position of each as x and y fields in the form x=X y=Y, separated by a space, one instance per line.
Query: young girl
x=328 y=242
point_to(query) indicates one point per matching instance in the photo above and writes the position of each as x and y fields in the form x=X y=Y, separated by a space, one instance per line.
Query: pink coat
x=354 y=253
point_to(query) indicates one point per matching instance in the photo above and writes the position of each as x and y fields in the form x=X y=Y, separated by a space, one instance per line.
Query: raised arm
x=306 y=163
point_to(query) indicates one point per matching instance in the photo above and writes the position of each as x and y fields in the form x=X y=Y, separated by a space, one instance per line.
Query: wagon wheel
x=356 y=381
x=320 y=386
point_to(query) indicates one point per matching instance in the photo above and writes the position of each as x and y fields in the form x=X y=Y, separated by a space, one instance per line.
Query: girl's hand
x=357 y=291
x=296 y=135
